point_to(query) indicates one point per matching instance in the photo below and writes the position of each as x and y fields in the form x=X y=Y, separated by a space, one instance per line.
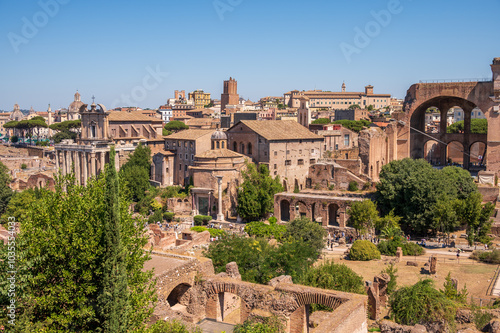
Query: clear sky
x=121 y=51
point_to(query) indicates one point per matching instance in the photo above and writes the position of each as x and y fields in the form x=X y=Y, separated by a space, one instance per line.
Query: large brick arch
x=467 y=95
x=313 y=297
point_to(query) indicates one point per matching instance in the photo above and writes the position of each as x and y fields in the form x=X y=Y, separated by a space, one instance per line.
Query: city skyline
x=145 y=51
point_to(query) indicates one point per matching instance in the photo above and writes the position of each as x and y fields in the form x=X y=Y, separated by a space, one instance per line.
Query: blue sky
x=110 y=48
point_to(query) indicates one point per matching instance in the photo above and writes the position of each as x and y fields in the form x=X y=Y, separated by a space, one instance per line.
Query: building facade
x=200 y=98
x=230 y=94
x=338 y=100
x=286 y=147
x=185 y=145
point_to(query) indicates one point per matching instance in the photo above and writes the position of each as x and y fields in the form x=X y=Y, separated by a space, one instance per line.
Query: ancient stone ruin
x=190 y=290
x=377 y=295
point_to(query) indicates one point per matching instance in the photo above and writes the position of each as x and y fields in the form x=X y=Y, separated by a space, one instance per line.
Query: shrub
x=481 y=318
x=452 y=293
x=391 y=270
x=353 y=186
x=262 y=230
x=155 y=205
x=492 y=257
x=260 y=324
x=217 y=232
x=363 y=250
x=389 y=247
x=412 y=249
x=173 y=326
x=420 y=304
x=273 y=220
x=14 y=139
x=168 y=216
x=157 y=216
x=199 y=228
x=334 y=276
x=202 y=219
x=24 y=166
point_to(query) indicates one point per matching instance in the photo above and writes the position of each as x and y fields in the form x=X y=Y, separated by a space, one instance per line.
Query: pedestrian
x=458 y=253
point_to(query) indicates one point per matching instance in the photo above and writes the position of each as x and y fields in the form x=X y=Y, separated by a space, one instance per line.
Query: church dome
x=76 y=104
x=219 y=135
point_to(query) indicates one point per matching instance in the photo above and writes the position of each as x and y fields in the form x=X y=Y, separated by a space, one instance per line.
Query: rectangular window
x=288 y=162
x=275 y=166
x=288 y=152
x=346 y=140
x=300 y=162
x=300 y=151
x=180 y=167
x=192 y=157
x=312 y=161
x=275 y=153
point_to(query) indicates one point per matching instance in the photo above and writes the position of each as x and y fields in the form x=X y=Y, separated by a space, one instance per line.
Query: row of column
x=85 y=164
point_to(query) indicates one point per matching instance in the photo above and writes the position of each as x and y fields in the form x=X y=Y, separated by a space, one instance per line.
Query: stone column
x=117 y=161
x=57 y=161
x=220 y=216
x=85 y=166
x=164 y=172
x=65 y=162
x=466 y=139
x=92 y=164
x=78 y=174
x=103 y=161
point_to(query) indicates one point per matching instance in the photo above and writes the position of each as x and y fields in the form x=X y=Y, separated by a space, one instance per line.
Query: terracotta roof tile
x=218 y=153
x=190 y=134
x=279 y=130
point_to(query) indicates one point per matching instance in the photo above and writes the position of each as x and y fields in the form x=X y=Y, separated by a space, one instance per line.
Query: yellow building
x=200 y=98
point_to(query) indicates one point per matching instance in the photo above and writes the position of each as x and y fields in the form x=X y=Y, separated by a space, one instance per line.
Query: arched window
x=92 y=130
x=222 y=145
x=249 y=149
x=218 y=145
x=235 y=146
x=242 y=147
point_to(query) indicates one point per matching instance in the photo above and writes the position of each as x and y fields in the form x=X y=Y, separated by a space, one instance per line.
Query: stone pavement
x=211 y=326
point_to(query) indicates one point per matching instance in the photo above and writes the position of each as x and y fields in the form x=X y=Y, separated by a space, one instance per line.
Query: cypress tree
x=112 y=300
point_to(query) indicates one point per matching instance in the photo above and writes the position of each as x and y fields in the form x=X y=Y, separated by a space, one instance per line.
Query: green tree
x=370 y=107
x=363 y=215
x=321 y=121
x=175 y=126
x=353 y=125
x=256 y=194
x=412 y=187
x=37 y=123
x=68 y=129
x=113 y=293
x=304 y=229
x=59 y=260
x=390 y=220
x=477 y=217
x=5 y=191
x=354 y=106
x=258 y=261
x=477 y=126
x=445 y=216
x=135 y=172
x=20 y=204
